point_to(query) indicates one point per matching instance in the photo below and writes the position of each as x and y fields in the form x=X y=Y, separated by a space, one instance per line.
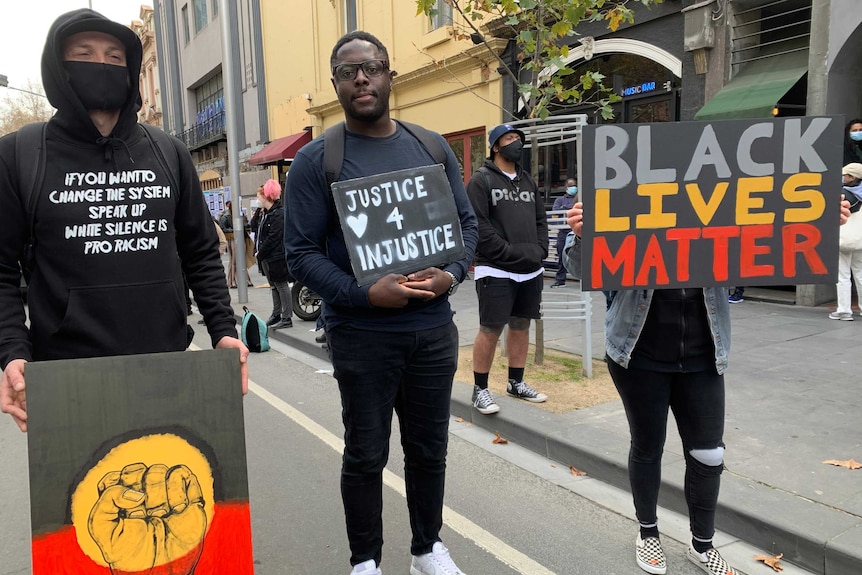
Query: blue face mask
x=572 y=190
x=856 y=136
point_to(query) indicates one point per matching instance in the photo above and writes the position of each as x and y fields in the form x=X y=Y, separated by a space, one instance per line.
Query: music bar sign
x=398 y=222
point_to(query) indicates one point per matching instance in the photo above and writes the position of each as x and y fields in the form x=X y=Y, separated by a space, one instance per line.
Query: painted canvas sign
x=694 y=204
x=398 y=222
x=137 y=466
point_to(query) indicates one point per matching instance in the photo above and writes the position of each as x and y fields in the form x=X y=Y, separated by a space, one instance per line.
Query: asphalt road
x=508 y=510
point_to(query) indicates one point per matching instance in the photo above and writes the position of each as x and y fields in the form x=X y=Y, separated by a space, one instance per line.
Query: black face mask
x=512 y=152
x=99 y=86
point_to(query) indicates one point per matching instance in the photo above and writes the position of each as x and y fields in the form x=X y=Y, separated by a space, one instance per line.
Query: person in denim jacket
x=668 y=348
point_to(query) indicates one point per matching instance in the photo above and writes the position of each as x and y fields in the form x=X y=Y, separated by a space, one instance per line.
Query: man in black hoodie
x=513 y=242
x=109 y=223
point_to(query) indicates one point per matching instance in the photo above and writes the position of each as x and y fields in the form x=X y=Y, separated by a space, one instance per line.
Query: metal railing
x=211 y=130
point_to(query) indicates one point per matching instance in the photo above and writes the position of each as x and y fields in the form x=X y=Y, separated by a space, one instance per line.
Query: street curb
x=816 y=537
x=813 y=536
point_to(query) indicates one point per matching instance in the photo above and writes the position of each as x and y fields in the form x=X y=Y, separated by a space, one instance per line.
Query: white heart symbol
x=358 y=224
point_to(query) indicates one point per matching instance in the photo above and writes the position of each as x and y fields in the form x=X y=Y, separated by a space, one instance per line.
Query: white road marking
x=466 y=528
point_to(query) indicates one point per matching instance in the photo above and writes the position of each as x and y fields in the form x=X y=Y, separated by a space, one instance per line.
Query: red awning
x=281 y=149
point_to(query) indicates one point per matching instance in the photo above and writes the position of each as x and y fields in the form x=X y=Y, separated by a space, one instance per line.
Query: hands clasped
x=148 y=517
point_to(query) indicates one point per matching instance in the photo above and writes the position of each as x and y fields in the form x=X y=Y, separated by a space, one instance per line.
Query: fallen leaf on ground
x=500 y=440
x=459 y=419
x=576 y=472
x=771 y=561
x=849 y=464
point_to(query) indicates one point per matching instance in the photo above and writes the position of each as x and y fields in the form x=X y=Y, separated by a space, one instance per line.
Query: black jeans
x=411 y=373
x=697 y=401
x=560 y=276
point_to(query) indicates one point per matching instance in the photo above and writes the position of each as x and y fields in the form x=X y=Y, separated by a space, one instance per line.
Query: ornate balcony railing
x=203 y=133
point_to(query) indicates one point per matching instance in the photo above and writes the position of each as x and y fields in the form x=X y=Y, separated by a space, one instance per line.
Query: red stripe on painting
x=227 y=550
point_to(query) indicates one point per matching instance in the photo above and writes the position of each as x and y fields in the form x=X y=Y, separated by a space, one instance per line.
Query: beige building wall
x=151 y=104
x=443 y=84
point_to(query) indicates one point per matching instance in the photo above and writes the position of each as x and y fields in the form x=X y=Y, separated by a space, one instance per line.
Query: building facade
x=151 y=105
x=189 y=38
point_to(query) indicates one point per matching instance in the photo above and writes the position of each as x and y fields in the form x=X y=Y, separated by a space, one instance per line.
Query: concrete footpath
x=794 y=400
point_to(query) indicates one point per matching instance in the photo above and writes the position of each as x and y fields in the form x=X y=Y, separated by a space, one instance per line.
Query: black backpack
x=333 y=147
x=30 y=145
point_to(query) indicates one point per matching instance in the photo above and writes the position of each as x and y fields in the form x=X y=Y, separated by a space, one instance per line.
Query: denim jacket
x=627 y=313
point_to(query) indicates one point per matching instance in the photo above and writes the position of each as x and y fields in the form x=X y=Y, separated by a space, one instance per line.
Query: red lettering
x=801 y=239
x=682 y=237
x=720 y=236
x=749 y=250
x=653 y=260
x=604 y=259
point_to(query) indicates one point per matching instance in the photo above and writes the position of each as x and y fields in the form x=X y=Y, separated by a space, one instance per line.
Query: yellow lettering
x=657 y=218
x=605 y=222
x=706 y=209
x=746 y=203
x=792 y=193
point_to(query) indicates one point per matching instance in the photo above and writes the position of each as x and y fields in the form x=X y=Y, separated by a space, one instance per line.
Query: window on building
x=200 y=15
x=469 y=148
x=209 y=98
x=186 y=34
x=442 y=15
x=349 y=16
x=215 y=8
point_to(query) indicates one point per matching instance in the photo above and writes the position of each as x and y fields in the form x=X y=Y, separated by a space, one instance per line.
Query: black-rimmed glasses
x=371 y=69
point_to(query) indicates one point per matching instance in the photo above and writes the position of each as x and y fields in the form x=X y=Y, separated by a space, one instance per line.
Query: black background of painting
x=673 y=144
x=79 y=409
x=437 y=209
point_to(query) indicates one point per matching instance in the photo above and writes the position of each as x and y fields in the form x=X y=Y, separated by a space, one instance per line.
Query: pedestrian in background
x=270 y=254
x=850 y=246
x=393 y=343
x=82 y=304
x=564 y=202
x=853 y=142
x=513 y=242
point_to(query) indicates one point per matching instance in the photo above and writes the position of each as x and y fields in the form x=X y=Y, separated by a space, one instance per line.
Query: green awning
x=756 y=88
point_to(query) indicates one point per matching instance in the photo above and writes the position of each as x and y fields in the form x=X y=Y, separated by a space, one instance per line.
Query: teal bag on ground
x=254 y=334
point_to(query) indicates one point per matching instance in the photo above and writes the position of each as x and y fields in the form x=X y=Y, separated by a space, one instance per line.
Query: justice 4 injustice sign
x=398 y=222
x=694 y=204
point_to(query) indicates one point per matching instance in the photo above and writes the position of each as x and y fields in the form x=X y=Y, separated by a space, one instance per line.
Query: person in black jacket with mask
x=109 y=222
x=513 y=242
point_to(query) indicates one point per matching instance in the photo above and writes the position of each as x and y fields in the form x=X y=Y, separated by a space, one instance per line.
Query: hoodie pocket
x=124 y=319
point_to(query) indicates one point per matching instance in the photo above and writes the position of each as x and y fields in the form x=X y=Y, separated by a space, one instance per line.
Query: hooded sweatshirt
x=513 y=227
x=113 y=233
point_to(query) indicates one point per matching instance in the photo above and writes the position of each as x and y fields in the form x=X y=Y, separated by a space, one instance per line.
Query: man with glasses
x=393 y=343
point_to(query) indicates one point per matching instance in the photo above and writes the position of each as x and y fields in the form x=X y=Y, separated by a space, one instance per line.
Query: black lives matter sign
x=398 y=222
x=694 y=204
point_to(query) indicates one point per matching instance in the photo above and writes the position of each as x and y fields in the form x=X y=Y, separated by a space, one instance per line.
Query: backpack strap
x=30 y=143
x=333 y=147
x=166 y=153
x=333 y=152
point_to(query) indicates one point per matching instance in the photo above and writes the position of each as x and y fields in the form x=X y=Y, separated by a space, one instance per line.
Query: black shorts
x=502 y=299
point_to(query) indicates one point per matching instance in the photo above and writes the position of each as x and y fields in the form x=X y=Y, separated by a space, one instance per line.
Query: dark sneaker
x=273 y=319
x=735 y=297
x=523 y=391
x=558 y=284
x=711 y=562
x=483 y=401
x=650 y=555
x=282 y=324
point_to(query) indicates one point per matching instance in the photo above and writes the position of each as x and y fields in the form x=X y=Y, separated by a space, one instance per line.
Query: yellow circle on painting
x=163 y=448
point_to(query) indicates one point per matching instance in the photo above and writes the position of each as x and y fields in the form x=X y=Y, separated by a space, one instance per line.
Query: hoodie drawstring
x=111 y=143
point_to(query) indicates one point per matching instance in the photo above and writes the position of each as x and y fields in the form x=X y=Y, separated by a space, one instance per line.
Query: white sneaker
x=711 y=562
x=366 y=568
x=438 y=562
x=842 y=315
x=650 y=556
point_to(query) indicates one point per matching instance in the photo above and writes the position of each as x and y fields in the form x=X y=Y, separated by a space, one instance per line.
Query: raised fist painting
x=147 y=517
x=146 y=507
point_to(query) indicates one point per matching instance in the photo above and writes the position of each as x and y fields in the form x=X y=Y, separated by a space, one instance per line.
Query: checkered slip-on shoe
x=650 y=556
x=711 y=562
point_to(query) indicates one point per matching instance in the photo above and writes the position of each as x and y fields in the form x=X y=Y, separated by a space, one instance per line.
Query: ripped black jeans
x=697 y=401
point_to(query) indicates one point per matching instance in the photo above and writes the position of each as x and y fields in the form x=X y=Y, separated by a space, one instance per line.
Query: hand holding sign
x=149 y=517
